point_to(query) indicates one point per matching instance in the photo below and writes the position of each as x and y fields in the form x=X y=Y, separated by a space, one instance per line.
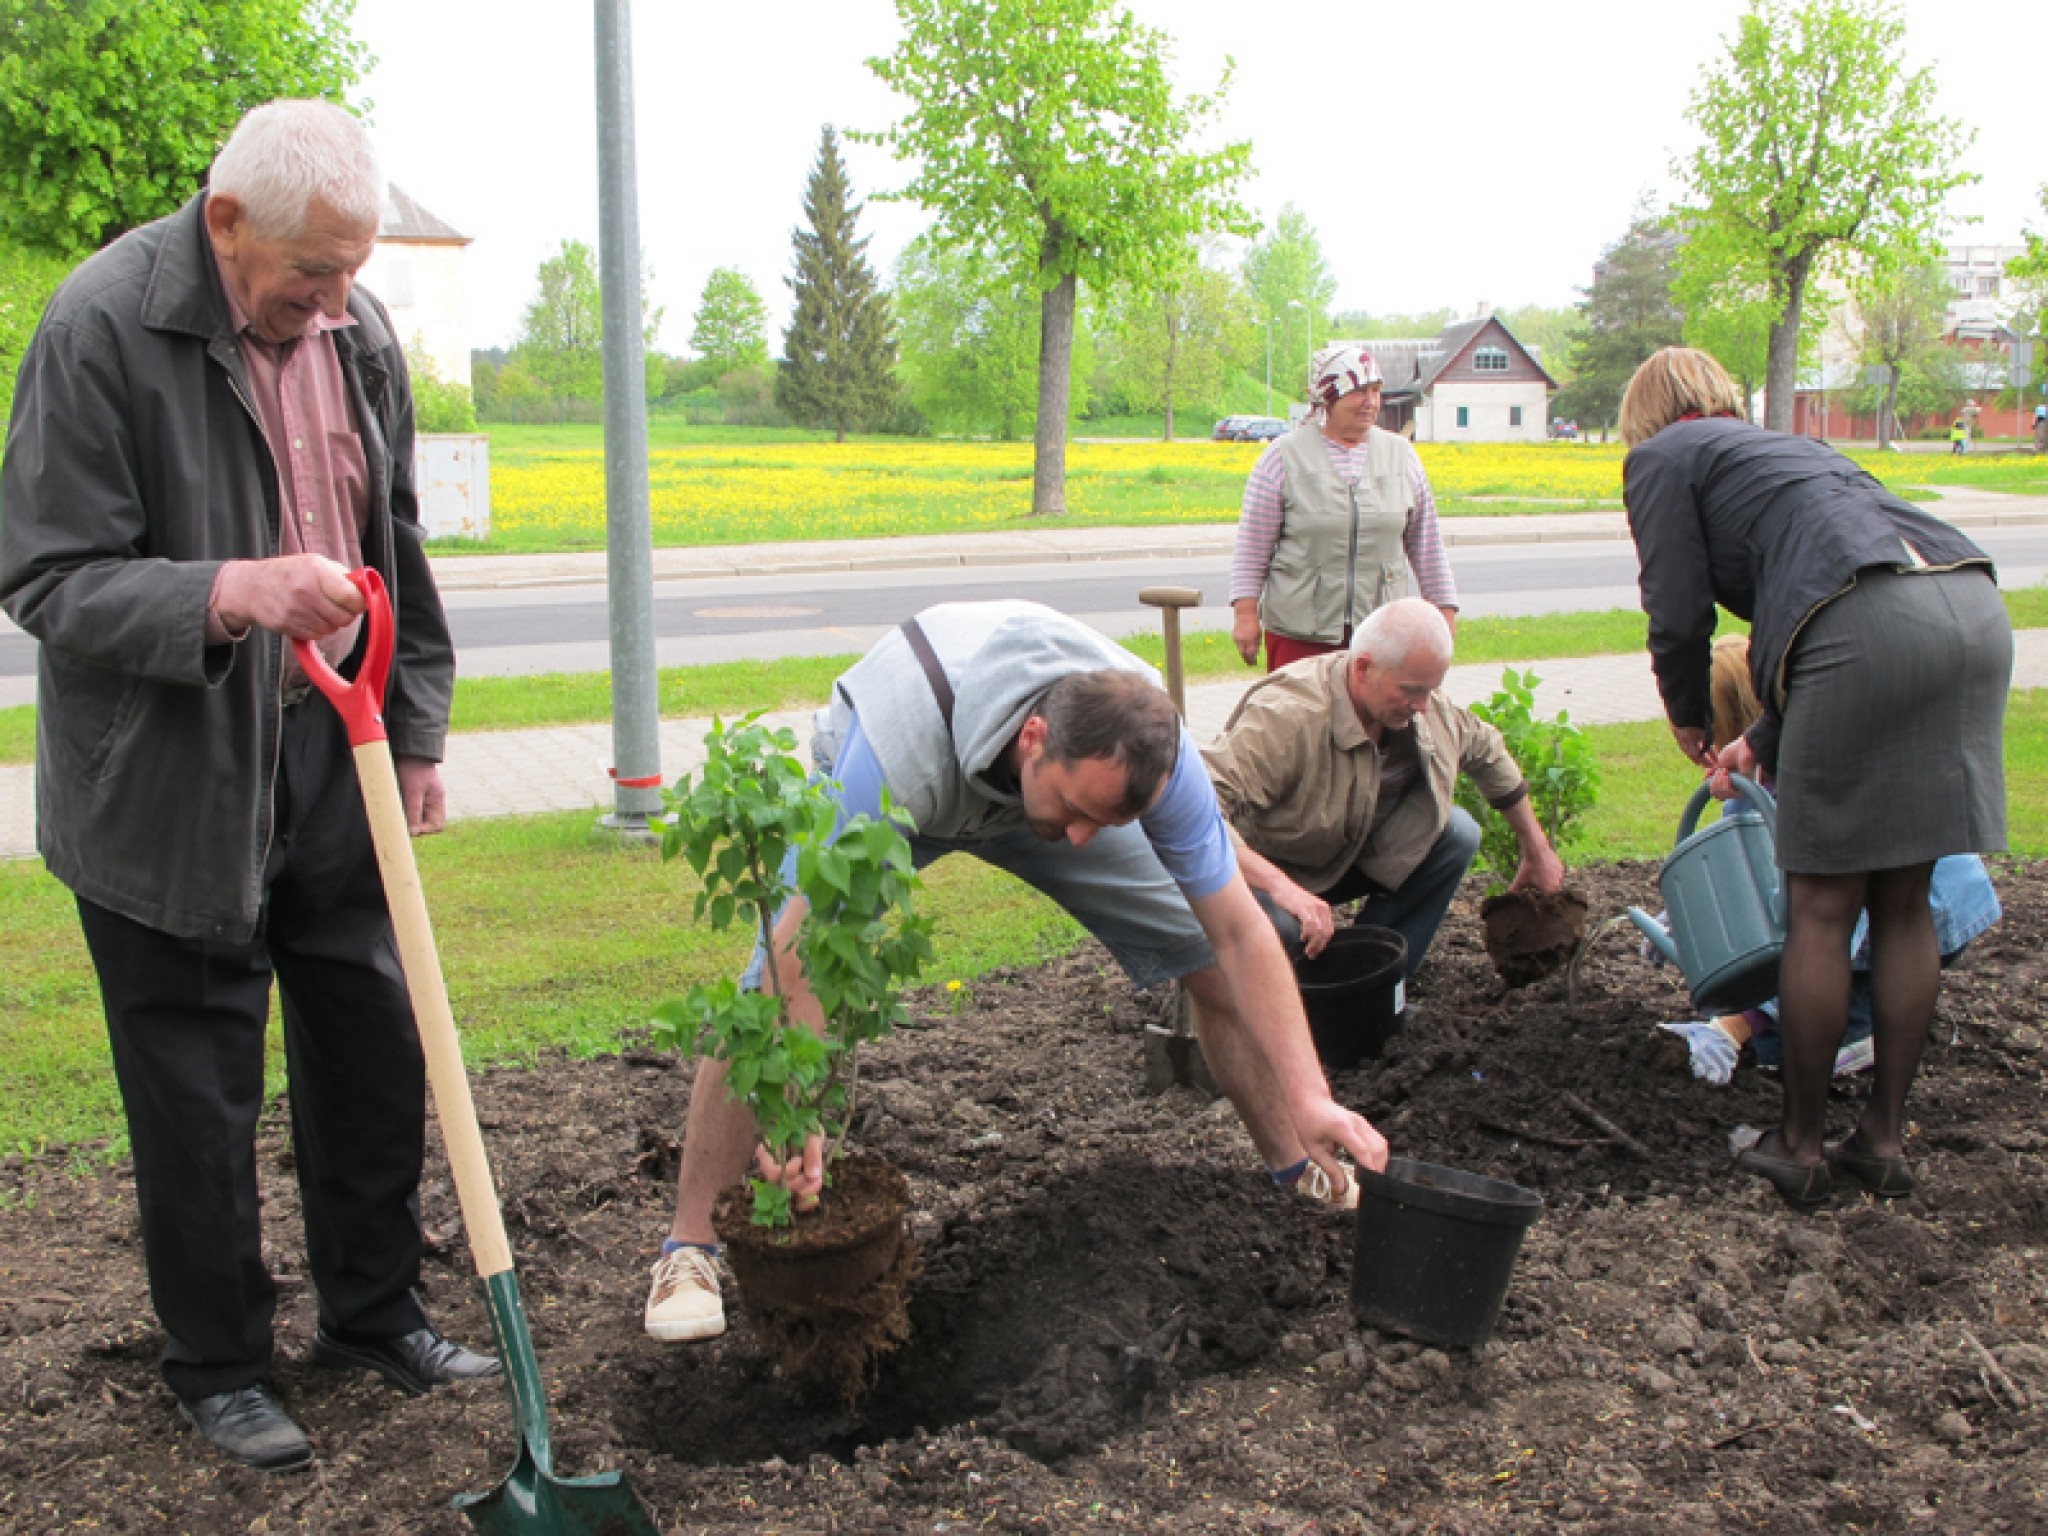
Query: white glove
x=1714 y=1051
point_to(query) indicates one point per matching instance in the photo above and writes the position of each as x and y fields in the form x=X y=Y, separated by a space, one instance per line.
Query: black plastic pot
x=1353 y=994
x=1436 y=1248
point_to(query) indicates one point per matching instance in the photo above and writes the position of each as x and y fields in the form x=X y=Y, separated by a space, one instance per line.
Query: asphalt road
x=505 y=632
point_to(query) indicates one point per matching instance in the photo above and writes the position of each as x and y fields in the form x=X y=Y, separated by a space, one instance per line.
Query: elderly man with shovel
x=1018 y=735
x=213 y=426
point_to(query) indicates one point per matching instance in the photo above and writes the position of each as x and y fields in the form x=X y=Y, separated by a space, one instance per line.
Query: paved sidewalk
x=563 y=768
x=1052 y=545
x=516 y=773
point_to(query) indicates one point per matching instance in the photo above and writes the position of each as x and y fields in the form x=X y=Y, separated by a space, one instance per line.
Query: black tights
x=1813 y=998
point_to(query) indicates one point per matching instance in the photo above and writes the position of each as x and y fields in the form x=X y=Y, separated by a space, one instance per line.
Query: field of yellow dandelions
x=547 y=486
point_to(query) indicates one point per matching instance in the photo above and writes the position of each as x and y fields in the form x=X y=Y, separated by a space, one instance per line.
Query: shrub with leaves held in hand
x=860 y=942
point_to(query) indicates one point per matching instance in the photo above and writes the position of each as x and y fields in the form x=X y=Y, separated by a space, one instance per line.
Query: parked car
x=1262 y=429
x=1229 y=430
x=1564 y=431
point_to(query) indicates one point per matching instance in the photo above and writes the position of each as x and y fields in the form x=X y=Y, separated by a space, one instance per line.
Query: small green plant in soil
x=1555 y=759
x=861 y=942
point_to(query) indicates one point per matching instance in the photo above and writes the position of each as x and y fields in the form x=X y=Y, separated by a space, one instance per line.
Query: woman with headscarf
x=1338 y=520
x=1881 y=655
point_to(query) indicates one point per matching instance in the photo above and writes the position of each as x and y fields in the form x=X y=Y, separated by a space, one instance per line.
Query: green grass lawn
x=528 y=912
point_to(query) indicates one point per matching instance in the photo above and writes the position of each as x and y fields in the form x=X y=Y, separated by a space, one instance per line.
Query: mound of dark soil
x=1120 y=1324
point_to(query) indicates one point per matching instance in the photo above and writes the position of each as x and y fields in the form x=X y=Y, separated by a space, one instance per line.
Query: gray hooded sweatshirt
x=1000 y=658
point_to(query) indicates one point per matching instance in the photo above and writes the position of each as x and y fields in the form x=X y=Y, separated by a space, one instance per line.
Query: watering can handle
x=1761 y=802
x=1758 y=797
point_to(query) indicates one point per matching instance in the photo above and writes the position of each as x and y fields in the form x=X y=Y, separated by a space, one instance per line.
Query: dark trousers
x=1415 y=911
x=187 y=1019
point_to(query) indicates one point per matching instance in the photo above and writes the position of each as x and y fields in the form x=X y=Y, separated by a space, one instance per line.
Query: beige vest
x=1339 y=555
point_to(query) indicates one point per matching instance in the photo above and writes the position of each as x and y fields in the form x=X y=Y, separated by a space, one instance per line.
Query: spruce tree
x=839 y=358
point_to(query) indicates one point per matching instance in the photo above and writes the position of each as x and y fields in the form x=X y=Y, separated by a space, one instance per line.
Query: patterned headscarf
x=1336 y=372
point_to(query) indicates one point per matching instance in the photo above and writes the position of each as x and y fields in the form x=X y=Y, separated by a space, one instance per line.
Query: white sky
x=1446 y=154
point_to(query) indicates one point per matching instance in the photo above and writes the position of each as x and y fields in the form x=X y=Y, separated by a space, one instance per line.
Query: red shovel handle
x=361 y=703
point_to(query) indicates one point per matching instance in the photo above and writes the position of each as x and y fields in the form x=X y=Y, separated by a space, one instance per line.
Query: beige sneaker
x=1314 y=1184
x=683 y=1303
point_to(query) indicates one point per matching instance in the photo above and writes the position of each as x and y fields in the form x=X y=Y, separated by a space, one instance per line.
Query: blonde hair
x=1734 y=696
x=1675 y=382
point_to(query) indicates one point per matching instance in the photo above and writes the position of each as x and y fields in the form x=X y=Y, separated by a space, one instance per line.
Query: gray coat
x=135 y=467
x=1770 y=527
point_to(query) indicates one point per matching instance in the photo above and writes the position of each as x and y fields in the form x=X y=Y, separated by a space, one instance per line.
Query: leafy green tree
x=969 y=330
x=1903 y=308
x=111 y=109
x=838 y=355
x=1814 y=138
x=2030 y=272
x=1548 y=330
x=561 y=340
x=730 y=329
x=560 y=352
x=1363 y=325
x=1048 y=129
x=1173 y=341
x=1629 y=313
x=1726 y=301
x=1292 y=288
x=27 y=280
x=439 y=404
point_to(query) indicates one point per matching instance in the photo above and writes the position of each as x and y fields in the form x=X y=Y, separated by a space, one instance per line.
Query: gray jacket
x=1000 y=658
x=135 y=467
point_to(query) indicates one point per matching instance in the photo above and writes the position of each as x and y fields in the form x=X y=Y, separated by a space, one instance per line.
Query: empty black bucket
x=1353 y=994
x=1435 y=1250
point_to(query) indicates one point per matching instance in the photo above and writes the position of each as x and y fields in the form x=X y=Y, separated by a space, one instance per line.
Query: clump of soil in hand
x=1532 y=934
x=830 y=1292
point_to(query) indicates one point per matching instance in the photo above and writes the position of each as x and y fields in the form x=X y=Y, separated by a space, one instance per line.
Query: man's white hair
x=1390 y=635
x=285 y=154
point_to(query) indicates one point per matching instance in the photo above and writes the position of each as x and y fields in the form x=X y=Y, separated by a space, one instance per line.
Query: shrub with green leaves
x=860 y=944
x=1555 y=759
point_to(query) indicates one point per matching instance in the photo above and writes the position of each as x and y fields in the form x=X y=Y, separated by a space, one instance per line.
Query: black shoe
x=413 y=1362
x=250 y=1424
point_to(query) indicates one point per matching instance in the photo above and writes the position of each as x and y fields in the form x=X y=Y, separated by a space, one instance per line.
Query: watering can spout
x=1654 y=931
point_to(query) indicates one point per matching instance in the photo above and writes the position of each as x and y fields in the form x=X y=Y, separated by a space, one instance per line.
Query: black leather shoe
x=414 y=1362
x=250 y=1424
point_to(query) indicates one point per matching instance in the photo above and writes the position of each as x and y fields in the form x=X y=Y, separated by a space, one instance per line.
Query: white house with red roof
x=1472 y=382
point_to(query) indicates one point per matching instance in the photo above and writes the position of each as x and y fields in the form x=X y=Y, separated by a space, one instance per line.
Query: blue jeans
x=1415 y=911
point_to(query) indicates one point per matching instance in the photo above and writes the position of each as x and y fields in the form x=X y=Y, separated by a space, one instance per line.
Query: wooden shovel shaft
x=1169 y=601
x=453 y=1106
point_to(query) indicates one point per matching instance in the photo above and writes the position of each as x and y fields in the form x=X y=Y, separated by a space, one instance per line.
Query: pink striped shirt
x=1258 y=528
x=301 y=399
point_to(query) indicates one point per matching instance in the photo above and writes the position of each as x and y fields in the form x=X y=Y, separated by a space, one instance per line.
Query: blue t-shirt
x=1185 y=825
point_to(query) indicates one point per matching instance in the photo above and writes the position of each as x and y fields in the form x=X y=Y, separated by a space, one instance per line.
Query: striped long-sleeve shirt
x=1258 y=528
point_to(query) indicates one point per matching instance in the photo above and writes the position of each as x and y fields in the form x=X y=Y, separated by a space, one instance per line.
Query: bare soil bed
x=1121 y=1325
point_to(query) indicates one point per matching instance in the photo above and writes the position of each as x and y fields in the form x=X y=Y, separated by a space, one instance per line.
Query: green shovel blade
x=532 y=1501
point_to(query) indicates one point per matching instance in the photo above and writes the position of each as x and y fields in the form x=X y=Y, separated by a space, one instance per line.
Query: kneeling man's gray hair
x=285 y=154
x=1391 y=634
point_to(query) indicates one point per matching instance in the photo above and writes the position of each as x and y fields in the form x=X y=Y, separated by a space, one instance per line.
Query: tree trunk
x=1888 y=424
x=1055 y=375
x=1781 y=373
x=1172 y=342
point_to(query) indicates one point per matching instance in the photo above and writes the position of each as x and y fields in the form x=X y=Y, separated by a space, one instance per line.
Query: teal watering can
x=1725 y=903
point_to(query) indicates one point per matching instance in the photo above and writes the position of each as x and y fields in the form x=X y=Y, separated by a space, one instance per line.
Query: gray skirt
x=1893 y=751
